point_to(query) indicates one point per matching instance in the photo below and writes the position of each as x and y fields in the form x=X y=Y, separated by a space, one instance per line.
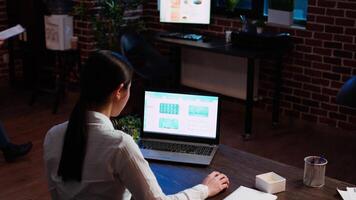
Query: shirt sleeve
x=135 y=173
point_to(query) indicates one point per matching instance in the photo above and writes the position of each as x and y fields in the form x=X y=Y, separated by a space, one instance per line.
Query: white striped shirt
x=114 y=167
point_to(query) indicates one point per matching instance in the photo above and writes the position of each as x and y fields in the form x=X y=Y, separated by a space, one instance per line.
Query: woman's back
x=98 y=178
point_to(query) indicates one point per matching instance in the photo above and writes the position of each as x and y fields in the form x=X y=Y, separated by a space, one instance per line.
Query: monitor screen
x=185 y=11
x=181 y=114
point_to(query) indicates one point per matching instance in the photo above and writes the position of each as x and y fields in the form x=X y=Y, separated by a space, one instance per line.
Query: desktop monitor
x=185 y=11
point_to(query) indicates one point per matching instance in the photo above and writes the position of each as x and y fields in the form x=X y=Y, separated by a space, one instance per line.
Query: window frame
x=299 y=22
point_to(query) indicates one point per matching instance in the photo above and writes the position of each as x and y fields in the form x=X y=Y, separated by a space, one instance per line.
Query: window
x=250 y=8
x=299 y=13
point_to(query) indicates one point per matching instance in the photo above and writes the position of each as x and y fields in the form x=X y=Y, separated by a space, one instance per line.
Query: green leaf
x=129 y=124
x=231 y=4
x=110 y=23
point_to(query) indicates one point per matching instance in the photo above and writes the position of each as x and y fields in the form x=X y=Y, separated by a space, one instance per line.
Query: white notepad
x=13 y=31
x=245 y=193
x=349 y=194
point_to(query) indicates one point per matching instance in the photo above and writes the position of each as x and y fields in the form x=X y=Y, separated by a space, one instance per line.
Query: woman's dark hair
x=103 y=73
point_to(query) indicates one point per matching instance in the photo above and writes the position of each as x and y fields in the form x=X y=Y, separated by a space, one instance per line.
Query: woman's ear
x=119 y=92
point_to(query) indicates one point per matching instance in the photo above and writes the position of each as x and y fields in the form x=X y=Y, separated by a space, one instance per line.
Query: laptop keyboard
x=179 y=148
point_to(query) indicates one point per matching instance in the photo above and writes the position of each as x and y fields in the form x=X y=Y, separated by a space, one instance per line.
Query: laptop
x=180 y=127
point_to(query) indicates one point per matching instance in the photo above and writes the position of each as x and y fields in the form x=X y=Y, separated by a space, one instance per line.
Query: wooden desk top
x=241 y=168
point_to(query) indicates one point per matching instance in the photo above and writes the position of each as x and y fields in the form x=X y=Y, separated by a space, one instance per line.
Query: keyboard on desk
x=174 y=147
x=177 y=35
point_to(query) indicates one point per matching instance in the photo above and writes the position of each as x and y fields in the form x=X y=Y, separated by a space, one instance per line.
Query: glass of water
x=314 y=171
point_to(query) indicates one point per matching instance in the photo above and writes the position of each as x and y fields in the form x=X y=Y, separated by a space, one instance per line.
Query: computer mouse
x=206 y=39
x=198 y=2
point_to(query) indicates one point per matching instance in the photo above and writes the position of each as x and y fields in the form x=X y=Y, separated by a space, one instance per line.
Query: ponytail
x=74 y=146
x=101 y=75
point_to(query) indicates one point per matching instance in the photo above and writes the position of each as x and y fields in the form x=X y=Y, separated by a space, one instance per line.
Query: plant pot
x=280 y=17
x=259 y=30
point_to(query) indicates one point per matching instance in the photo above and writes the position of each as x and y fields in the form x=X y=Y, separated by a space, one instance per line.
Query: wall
x=83 y=29
x=323 y=58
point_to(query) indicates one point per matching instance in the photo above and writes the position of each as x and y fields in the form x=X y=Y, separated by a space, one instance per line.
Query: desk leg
x=277 y=92
x=249 y=97
x=11 y=63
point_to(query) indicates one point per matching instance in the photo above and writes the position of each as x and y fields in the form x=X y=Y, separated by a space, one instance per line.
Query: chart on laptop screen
x=180 y=114
x=185 y=11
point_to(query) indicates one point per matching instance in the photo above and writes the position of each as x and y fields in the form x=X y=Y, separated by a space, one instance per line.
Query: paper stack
x=244 y=193
x=11 y=32
x=349 y=194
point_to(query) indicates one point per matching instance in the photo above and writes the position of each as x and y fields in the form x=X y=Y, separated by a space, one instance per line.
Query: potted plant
x=230 y=6
x=109 y=19
x=281 y=12
x=129 y=124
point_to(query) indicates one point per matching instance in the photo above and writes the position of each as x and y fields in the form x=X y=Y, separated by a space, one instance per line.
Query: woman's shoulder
x=53 y=140
x=121 y=136
x=56 y=131
x=125 y=140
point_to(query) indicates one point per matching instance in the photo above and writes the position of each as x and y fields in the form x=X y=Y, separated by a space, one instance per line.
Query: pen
x=321 y=159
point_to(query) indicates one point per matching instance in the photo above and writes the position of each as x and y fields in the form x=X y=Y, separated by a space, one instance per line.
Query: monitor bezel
x=155 y=135
x=193 y=23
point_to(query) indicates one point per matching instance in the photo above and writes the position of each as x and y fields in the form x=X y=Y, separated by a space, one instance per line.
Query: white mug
x=228 y=36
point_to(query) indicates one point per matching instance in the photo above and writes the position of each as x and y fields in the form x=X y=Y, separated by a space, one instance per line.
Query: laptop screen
x=181 y=114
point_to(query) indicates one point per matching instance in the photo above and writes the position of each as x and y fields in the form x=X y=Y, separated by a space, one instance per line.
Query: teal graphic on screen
x=168 y=108
x=168 y=123
x=180 y=114
x=199 y=111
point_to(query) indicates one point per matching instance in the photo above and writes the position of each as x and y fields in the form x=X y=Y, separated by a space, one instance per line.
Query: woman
x=12 y=151
x=87 y=159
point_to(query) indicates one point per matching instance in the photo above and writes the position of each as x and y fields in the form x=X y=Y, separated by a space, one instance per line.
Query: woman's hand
x=1 y=42
x=216 y=182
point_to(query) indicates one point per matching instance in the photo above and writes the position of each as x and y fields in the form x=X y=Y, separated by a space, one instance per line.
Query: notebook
x=180 y=127
x=245 y=193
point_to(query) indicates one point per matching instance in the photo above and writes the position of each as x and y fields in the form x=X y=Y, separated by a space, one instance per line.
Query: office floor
x=289 y=143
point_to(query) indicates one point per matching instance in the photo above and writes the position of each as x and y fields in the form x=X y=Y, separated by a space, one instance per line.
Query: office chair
x=347 y=93
x=147 y=62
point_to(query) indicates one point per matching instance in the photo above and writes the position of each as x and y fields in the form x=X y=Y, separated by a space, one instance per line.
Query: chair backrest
x=129 y=42
x=146 y=60
x=347 y=93
x=132 y=44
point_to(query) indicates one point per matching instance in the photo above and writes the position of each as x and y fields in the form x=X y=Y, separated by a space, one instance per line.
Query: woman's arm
x=133 y=170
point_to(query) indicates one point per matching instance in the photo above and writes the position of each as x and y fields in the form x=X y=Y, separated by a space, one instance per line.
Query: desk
x=241 y=168
x=219 y=46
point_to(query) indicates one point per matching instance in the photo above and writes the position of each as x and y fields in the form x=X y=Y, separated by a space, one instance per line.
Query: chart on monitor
x=185 y=11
